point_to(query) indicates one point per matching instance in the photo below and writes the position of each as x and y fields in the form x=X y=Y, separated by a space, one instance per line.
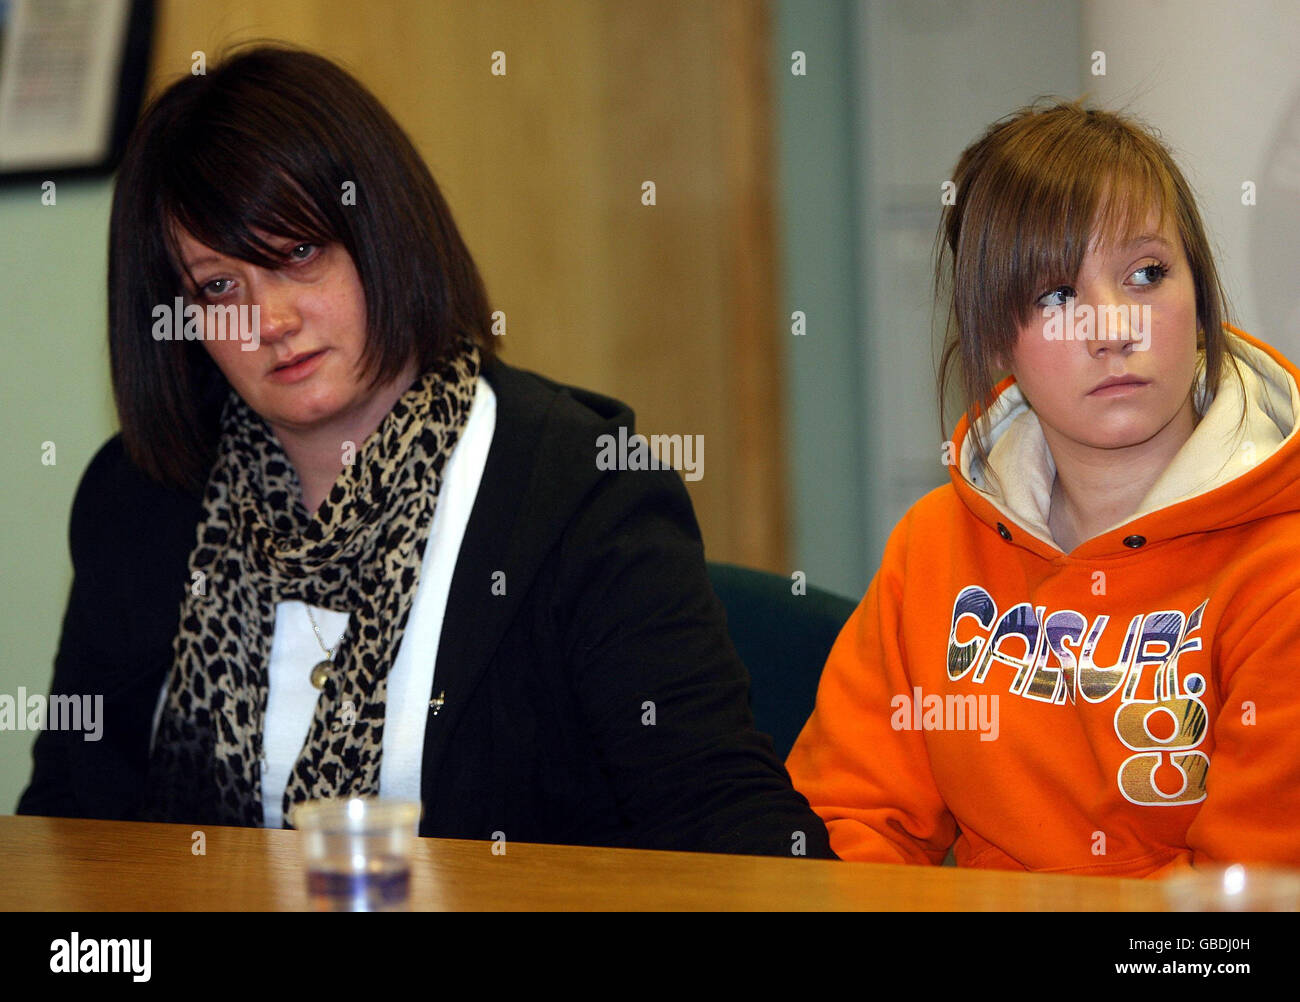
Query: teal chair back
x=783 y=639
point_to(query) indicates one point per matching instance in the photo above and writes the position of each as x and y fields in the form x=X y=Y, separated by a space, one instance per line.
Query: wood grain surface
x=61 y=864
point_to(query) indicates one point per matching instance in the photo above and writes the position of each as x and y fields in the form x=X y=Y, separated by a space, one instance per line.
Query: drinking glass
x=358 y=852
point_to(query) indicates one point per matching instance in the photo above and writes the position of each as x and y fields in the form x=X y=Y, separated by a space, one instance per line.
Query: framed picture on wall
x=72 y=74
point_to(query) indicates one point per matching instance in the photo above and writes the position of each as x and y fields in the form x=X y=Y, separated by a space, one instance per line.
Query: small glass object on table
x=358 y=853
x=1235 y=888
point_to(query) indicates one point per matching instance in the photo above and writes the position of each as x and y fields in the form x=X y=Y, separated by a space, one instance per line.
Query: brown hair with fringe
x=1031 y=195
x=266 y=141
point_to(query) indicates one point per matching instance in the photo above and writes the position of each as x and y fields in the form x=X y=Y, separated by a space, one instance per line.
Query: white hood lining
x=1217 y=452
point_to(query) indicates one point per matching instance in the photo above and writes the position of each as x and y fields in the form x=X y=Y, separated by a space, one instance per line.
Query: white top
x=291 y=699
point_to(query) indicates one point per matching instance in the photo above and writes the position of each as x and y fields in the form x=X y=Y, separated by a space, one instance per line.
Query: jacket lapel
x=517 y=514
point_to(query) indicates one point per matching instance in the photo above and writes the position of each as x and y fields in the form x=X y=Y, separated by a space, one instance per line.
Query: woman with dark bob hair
x=339 y=549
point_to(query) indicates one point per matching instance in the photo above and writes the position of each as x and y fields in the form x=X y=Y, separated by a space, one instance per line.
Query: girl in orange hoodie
x=1082 y=654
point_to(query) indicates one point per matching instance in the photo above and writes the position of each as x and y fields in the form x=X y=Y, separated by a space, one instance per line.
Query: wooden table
x=61 y=864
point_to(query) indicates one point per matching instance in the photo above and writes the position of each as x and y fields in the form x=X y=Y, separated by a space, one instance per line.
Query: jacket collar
x=536 y=475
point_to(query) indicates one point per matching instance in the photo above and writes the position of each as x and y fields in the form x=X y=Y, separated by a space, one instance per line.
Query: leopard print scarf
x=361 y=552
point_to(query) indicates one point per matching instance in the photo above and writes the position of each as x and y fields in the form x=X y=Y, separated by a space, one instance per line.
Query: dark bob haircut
x=272 y=139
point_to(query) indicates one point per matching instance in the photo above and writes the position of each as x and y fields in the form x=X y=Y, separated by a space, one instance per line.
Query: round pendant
x=321 y=673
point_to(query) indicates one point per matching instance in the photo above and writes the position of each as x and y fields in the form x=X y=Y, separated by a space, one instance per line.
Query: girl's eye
x=302 y=252
x=1056 y=297
x=210 y=290
x=1150 y=274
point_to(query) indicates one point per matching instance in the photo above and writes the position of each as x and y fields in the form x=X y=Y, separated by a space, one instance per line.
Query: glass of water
x=1235 y=888
x=358 y=853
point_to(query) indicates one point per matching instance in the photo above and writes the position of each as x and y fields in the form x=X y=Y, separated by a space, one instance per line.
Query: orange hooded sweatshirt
x=1124 y=709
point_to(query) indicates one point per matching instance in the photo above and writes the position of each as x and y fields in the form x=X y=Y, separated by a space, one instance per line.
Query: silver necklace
x=322 y=670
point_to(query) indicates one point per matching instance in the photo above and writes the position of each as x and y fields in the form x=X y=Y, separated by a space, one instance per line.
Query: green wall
x=817 y=198
x=54 y=384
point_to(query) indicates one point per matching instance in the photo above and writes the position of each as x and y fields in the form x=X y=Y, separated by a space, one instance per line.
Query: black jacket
x=607 y=622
